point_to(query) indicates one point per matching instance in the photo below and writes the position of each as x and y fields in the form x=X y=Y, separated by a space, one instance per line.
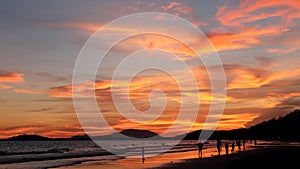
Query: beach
x=83 y=154
x=272 y=156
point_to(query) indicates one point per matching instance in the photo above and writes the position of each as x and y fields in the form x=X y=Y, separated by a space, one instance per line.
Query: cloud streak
x=245 y=12
x=10 y=77
x=178 y=8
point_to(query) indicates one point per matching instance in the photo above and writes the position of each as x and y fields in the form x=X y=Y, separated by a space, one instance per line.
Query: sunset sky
x=257 y=41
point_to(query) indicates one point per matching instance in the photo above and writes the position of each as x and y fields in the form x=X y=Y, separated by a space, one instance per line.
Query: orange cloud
x=47 y=131
x=270 y=50
x=5 y=86
x=18 y=130
x=244 y=19
x=168 y=44
x=240 y=78
x=61 y=91
x=10 y=77
x=292 y=94
x=230 y=121
x=242 y=39
x=245 y=12
x=254 y=78
x=178 y=8
x=66 y=91
x=28 y=91
x=171 y=5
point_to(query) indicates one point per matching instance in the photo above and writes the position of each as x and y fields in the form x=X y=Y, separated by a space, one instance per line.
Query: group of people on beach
x=219 y=146
x=200 y=145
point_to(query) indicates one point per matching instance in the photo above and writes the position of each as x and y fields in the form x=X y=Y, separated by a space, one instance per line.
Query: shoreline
x=179 y=157
x=281 y=156
x=254 y=156
x=136 y=163
x=152 y=162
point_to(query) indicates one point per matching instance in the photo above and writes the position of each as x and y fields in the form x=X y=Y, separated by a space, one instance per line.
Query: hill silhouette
x=138 y=133
x=26 y=137
x=284 y=128
x=131 y=133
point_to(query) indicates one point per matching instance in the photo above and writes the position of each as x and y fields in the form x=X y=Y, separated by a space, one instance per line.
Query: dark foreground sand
x=264 y=157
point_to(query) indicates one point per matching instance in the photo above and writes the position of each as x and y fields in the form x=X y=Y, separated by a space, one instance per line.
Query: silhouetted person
x=238 y=143
x=255 y=143
x=219 y=145
x=143 y=155
x=244 y=144
x=226 y=148
x=232 y=147
x=200 y=148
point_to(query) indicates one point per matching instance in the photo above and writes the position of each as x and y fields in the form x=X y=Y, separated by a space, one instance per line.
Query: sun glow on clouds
x=245 y=38
x=46 y=131
x=268 y=26
x=178 y=8
x=12 y=131
x=12 y=77
x=288 y=10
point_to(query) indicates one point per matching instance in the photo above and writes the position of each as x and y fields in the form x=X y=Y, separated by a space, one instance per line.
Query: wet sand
x=271 y=156
x=136 y=163
x=263 y=157
x=151 y=162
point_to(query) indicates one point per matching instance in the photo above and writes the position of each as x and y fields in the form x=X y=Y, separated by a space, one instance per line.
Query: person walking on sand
x=219 y=145
x=143 y=155
x=232 y=146
x=226 y=148
x=200 y=148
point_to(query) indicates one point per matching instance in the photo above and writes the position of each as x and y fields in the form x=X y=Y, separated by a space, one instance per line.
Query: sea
x=52 y=154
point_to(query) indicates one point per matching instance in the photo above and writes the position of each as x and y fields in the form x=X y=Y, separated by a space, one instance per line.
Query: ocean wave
x=50 y=155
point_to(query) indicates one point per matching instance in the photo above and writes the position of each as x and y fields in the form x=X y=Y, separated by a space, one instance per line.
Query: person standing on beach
x=232 y=146
x=244 y=144
x=226 y=148
x=219 y=145
x=238 y=143
x=143 y=155
x=200 y=148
